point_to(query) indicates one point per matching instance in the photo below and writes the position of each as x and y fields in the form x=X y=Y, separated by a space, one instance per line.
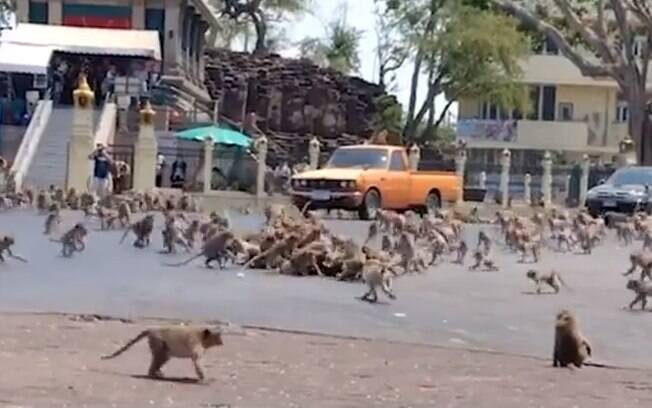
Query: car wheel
x=370 y=205
x=433 y=203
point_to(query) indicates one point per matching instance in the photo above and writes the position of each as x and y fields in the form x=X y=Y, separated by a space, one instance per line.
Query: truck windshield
x=635 y=177
x=358 y=158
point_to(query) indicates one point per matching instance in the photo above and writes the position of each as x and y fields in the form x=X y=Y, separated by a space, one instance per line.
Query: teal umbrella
x=218 y=134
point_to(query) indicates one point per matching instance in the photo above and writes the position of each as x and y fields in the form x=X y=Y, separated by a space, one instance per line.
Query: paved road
x=446 y=306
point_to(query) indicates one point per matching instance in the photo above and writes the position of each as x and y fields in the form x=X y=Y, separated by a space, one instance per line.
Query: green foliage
x=390 y=114
x=481 y=53
x=338 y=50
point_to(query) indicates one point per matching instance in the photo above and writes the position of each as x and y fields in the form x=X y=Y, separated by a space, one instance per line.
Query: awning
x=25 y=59
x=219 y=136
x=84 y=40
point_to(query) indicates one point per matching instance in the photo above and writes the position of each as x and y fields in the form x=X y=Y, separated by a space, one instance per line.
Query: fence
x=193 y=157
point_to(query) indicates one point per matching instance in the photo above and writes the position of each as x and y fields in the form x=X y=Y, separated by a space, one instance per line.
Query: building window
x=565 y=111
x=549 y=103
x=622 y=112
x=549 y=47
x=38 y=12
x=535 y=96
x=491 y=111
x=638 y=45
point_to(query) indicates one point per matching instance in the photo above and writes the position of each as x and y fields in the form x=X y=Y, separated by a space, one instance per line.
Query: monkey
x=484 y=243
x=42 y=201
x=107 y=218
x=564 y=237
x=642 y=291
x=374 y=275
x=625 y=232
x=643 y=260
x=647 y=241
x=303 y=260
x=208 y=229
x=219 y=220
x=552 y=279
x=59 y=197
x=172 y=236
x=484 y=262
x=142 y=229
x=175 y=341
x=571 y=347
x=525 y=247
x=386 y=244
x=53 y=219
x=462 y=249
x=73 y=199
x=73 y=240
x=190 y=233
x=405 y=247
x=372 y=233
x=124 y=214
x=273 y=256
x=248 y=249
x=215 y=248
x=6 y=242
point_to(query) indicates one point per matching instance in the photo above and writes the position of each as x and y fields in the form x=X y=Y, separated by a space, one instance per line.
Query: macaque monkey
x=571 y=347
x=73 y=199
x=6 y=242
x=175 y=341
x=461 y=250
x=215 y=249
x=484 y=243
x=642 y=291
x=42 y=201
x=73 y=240
x=124 y=214
x=552 y=279
x=643 y=260
x=481 y=261
x=375 y=275
x=142 y=229
x=372 y=233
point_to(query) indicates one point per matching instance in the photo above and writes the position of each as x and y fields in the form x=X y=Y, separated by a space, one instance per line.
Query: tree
x=260 y=13
x=338 y=50
x=598 y=37
x=464 y=51
x=391 y=52
x=389 y=116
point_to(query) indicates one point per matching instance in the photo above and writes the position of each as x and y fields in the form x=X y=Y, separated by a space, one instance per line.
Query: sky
x=359 y=14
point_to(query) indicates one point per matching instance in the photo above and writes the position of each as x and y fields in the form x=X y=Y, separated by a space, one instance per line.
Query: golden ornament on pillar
x=83 y=95
x=147 y=114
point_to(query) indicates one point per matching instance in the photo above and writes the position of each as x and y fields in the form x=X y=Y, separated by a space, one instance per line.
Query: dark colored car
x=628 y=190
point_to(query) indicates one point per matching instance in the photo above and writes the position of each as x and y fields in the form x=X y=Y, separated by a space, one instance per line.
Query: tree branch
x=586 y=67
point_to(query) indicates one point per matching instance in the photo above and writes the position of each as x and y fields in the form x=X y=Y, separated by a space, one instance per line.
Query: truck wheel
x=433 y=203
x=370 y=205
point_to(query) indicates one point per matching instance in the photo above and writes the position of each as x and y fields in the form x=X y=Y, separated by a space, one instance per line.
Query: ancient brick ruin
x=292 y=101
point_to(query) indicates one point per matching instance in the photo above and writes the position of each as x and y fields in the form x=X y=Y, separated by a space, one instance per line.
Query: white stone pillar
x=208 y=163
x=414 y=157
x=483 y=180
x=145 y=151
x=55 y=12
x=567 y=183
x=460 y=168
x=261 y=149
x=81 y=141
x=527 y=188
x=138 y=15
x=546 y=179
x=22 y=11
x=505 y=163
x=313 y=152
x=584 y=179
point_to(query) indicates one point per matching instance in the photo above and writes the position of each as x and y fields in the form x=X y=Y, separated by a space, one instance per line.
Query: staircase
x=48 y=166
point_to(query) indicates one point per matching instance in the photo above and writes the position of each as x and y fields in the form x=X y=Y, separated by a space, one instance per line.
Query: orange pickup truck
x=365 y=178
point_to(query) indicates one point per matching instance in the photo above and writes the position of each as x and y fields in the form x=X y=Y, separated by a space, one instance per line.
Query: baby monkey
x=552 y=279
x=175 y=341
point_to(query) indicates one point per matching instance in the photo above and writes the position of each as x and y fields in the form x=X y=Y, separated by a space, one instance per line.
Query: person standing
x=160 y=166
x=178 y=173
x=102 y=164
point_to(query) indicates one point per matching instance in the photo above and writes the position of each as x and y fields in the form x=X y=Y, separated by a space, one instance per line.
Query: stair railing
x=30 y=141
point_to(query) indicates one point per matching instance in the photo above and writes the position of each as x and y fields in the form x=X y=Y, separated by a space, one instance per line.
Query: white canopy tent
x=84 y=40
x=24 y=59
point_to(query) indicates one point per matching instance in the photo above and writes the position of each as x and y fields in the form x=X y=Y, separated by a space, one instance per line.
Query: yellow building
x=570 y=113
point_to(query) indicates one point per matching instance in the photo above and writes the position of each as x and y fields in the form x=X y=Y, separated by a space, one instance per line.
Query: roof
x=25 y=59
x=84 y=40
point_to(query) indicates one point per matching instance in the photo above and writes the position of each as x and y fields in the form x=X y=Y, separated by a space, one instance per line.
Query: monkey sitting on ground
x=642 y=291
x=72 y=199
x=142 y=229
x=42 y=201
x=73 y=240
x=375 y=274
x=175 y=341
x=172 y=236
x=481 y=261
x=552 y=279
x=571 y=347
